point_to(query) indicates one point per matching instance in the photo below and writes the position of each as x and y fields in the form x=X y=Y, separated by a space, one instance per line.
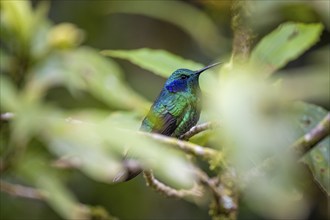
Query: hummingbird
x=176 y=109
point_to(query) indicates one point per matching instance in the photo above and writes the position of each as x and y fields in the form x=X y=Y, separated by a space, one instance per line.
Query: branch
x=21 y=191
x=134 y=167
x=187 y=147
x=243 y=35
x=131 y=168
x=167 y=190
x=190 y=148
x=67 y=162
x=197 y=129
x=225 y=201
x=32 y=193
x=313 y=137
x=299 y=148
x=7 y=116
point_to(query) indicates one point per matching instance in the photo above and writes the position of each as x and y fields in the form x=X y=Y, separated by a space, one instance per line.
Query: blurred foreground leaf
x=159 y=62
x=24 y=27
x=284 y=44
x=19 y=18
x=28 y=112
x=65 y=35
x=259 y=122
x=77 y=144
x=85 y=69
x=168 y=163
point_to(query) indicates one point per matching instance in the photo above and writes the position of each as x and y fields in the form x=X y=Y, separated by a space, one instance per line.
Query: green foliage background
x=104 y=62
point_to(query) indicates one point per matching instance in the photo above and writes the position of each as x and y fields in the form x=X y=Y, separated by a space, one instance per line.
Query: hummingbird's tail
x=131 y=168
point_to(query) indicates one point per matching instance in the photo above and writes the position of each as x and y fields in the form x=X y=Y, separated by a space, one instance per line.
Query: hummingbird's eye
x=184 y=77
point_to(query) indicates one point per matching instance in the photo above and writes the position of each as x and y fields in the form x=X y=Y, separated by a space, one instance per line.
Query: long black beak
x=207 y=67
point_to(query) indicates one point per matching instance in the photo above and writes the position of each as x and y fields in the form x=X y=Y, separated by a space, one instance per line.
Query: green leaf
x=190 y=19
x=85 y=69
x=104 y=80
x=318 y=159
x=284 y=44
x=159 y=62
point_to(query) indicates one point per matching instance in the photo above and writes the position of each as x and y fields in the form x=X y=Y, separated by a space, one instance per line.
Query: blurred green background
x=139 y=24
x=108 y=26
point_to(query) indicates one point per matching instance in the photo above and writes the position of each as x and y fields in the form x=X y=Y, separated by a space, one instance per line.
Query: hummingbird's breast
x=190 y=115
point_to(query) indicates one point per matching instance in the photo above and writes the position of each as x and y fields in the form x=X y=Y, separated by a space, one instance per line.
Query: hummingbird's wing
x=164 y=117
x=169 y=124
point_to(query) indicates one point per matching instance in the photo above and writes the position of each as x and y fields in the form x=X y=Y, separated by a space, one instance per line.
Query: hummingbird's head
x=184 y=80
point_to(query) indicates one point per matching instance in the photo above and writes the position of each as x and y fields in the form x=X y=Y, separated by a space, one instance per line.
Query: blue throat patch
x=177 y=86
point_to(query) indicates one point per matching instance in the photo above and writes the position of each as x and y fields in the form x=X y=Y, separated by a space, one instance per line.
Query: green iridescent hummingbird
x=174 y=112
x=177 y=108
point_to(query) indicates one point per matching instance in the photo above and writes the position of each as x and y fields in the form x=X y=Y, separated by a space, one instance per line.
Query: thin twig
x=206 y=180
x=225 y=201
x=7 y=116
x=67 y=162
x=21 y=191
x=167 y=190
x=313 y=137
x=197 y=129
x=188 y=147
x=83 y=211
